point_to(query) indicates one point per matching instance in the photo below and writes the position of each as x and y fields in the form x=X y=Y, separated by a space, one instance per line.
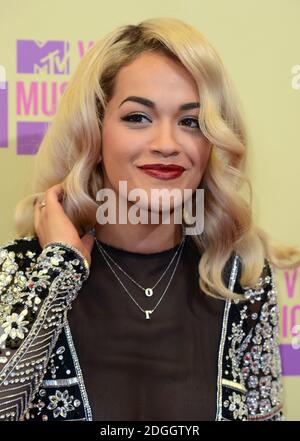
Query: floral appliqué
x=238 y=406
x=14 y=326
x=61 y=403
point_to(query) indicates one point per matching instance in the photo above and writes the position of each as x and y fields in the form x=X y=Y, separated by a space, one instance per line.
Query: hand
x=51 y=224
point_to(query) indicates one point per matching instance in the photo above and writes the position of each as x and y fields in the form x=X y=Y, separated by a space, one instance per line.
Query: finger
x=36 y=215
x=54 y=196
x=88 y=241
x=55 y=191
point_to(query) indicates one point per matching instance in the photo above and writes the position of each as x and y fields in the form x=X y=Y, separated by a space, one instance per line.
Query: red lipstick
x=163 y=171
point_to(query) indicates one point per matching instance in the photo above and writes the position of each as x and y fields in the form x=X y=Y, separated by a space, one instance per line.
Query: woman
x=200 y=342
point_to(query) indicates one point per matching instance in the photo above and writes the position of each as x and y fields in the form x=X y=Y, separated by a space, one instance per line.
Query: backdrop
x=42 y=42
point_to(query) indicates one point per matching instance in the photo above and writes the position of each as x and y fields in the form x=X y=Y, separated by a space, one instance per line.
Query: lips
x=161 y=171
x=163 y=167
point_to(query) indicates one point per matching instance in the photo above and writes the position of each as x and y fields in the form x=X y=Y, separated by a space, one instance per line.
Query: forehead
x=155 y=72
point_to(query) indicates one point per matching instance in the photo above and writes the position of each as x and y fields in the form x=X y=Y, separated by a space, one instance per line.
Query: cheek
x=204 y=159
x=118 y=156
x=114 y=153
x=119 y=145
x=201 y=158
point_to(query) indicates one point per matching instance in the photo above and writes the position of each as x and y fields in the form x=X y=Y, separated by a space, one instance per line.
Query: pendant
x=149 y=292
x=148 y=312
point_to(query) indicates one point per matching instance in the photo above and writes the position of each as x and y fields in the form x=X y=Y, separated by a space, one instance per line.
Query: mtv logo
x=4 y=115
x=36 y=57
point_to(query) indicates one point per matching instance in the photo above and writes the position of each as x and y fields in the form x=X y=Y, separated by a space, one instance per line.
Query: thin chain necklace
x=148 y=291
x=147 y=312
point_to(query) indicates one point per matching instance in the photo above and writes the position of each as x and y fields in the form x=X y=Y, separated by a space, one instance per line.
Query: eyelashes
x=135 y=118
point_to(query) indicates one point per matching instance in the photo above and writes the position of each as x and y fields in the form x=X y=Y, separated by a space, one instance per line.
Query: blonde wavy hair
x=71 y=148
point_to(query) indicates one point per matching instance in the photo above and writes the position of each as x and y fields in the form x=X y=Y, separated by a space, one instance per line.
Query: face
x=138 y=133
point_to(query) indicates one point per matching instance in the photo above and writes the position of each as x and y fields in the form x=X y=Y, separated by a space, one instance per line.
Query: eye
x=194 y=120
x=134 y=117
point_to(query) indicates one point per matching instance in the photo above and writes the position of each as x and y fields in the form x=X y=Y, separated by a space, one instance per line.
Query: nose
x=164 y=142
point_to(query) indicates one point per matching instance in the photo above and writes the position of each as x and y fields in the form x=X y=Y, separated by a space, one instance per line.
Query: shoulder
x=27 y=274
x=264 y=284
x=21 y=245
x=18 y=254
x=259 y=312
x=259 y=303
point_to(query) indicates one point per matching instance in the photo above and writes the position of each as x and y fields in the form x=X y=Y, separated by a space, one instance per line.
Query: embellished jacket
x=40 y=374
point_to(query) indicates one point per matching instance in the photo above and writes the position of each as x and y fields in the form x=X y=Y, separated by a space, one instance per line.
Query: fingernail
x=93 y=232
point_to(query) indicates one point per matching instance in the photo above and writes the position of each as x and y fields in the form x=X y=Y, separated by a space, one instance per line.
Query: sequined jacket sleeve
x=37 y=287
x=250 y=379
x=262 y=362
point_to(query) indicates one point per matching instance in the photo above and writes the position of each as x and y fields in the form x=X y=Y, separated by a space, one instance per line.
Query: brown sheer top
x=162 y=368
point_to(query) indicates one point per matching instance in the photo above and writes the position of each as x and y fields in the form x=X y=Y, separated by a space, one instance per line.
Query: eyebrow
x=151 y=104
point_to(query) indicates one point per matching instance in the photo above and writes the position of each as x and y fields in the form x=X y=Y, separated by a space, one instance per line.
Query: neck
x=140 y=238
